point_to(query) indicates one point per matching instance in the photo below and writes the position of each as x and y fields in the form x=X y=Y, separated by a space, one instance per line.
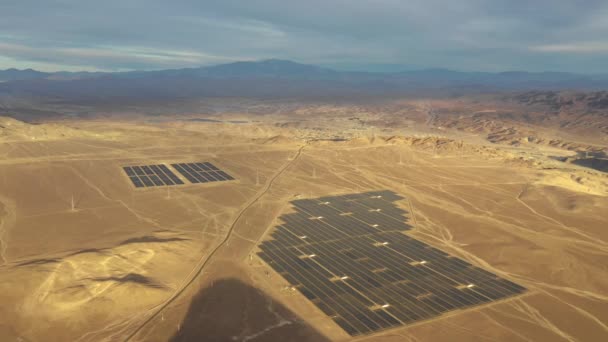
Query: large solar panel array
x=151 y=175
x=349 y=256
x=202 y=172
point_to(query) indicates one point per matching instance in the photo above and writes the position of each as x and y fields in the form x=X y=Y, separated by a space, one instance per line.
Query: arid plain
x=85 y=256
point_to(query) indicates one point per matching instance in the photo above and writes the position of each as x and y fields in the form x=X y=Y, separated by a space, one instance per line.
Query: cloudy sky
x=488 y=35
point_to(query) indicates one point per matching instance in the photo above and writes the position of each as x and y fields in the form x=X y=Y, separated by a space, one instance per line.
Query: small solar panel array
x=349 y=256
x=151 y=175
x=161 y=175
x=201 y=172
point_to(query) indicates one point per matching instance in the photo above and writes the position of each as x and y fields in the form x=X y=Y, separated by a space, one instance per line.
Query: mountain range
x=273 y=77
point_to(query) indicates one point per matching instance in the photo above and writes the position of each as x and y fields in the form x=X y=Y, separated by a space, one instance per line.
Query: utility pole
x=73 y=205
x=461 y=148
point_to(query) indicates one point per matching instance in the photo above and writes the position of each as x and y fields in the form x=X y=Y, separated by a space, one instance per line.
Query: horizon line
x=323 y=66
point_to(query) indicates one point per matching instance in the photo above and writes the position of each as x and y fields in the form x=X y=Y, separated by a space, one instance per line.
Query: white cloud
x=580 y=47
x=111 y=55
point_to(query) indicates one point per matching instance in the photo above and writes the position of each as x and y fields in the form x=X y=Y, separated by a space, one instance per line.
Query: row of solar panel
x=380 y=260
x=378 y=278
x=362 y=289
x=367 y=259
x=201 y=172
x=363 y=205
x=151 y=175
x=303 y=223
x=367 y=279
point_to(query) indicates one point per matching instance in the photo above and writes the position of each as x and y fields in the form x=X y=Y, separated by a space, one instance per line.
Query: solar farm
x=348 y=255
x=161 y=175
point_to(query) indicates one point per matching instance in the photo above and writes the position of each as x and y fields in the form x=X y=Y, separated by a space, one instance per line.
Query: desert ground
x=85 y=256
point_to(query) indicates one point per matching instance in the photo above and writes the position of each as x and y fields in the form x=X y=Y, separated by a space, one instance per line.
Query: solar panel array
x=201 y=172
x=151 y=175
x=349 y=256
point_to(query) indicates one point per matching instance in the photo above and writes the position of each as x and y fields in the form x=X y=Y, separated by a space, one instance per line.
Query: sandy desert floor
x=180 y=263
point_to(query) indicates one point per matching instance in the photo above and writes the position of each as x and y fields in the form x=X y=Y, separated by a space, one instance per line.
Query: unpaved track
x=205 y=261
x=7 y=220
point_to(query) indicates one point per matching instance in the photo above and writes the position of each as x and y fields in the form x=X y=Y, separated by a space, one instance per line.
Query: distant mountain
x=272 y=68
x=17 y=75
x=284 y=69
x=30 y=74
x=66 y=76
x=278 y=78
x=266 y=69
